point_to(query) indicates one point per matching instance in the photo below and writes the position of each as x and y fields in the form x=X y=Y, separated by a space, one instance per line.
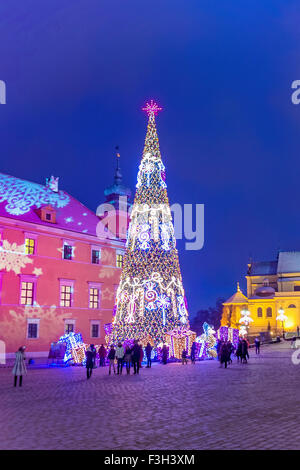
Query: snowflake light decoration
x=21 y=196
x=13 y=257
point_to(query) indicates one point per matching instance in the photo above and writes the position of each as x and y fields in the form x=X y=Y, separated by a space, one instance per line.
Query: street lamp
x=245 y=320
x=281 y=317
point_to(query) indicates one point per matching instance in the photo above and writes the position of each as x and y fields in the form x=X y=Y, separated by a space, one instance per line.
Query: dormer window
x=47 y=214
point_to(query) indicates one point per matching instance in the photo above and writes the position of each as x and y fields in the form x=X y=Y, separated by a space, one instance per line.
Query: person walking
x=239 y=350
x=127 y=359
x=19 y=368
x=184 y=357
x=193 y=353
x=218 y=348
x=111 y=357
x=245 y=354
x=141 y=355
x=136 y=355
x=94 y=351
x=148 y=350
x=224 y=354
x=90 y=355
x=257 y=345
x=164 y=353
x=102 y=355
x=120 y=357
x=230 y=349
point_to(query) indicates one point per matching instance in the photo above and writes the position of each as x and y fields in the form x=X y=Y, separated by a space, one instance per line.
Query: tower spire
x=118 y=174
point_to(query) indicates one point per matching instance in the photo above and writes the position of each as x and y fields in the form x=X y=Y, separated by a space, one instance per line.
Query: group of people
x=184 y=355
x=133 y=355
x=225 y=349
x=122 y=355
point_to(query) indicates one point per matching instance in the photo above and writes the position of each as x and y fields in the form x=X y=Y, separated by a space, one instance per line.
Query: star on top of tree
x=151 y=108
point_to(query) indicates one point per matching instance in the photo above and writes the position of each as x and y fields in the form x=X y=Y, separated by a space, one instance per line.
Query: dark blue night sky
x=78 y=72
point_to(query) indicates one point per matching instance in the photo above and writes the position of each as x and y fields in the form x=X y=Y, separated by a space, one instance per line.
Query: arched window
x=259 y=312
x=269 y=312
x=292 y=306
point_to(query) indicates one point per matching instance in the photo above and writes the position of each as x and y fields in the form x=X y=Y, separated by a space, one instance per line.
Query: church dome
x=265 y=291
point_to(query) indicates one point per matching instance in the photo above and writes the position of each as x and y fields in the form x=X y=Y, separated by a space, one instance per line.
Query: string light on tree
x=150 y=300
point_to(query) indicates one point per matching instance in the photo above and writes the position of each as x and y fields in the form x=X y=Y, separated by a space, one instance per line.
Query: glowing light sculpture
x=207 y=342
x=75 y=348
x=180 y=339
x=150 y=300
x=226 y=333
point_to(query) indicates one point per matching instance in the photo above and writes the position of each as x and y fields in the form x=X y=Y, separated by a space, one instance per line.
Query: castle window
x=27 y=289
x=27 y=293
x=259 y=312
x=30 y=243
x=29 y=246
x=96 y=256
x=292 y=306
x=296 y=288
x=119 y=259
x=68 y=251
x=269 y=312
x=66 y=293
x=69 y=326
x=94 y=294
x=33 y=328
x=95 y=329
x=94 y=298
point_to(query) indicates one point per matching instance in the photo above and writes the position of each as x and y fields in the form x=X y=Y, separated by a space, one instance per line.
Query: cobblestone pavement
x=251 y=406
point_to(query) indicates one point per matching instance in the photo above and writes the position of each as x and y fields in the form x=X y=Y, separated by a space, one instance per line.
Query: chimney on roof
x=52 y=183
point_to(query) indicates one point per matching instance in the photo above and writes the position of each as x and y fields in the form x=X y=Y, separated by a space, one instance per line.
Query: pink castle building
x=59 y=265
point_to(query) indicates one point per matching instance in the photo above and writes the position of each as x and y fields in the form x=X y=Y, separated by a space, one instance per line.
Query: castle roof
x=20 y=199
x=287 y=262
x=263 y=268
x=237 y=298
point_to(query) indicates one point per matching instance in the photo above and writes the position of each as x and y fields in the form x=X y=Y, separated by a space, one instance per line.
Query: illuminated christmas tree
x=150 y=299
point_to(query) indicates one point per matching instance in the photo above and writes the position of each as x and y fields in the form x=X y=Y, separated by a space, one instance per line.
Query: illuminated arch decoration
x=21 y=195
